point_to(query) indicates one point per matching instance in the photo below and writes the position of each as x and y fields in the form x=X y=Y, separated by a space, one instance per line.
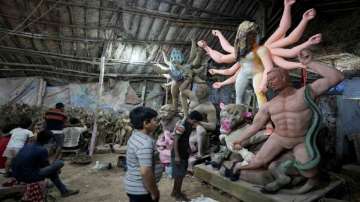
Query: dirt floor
x=107 y=185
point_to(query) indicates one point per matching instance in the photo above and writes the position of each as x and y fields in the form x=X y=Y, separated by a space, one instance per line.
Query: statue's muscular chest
x=287 y=104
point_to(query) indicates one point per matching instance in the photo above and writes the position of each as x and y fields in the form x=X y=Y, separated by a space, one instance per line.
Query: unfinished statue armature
x=182 y=72
x=199 y=102
x=232 y=124
x=296 y=119
x=253 y=59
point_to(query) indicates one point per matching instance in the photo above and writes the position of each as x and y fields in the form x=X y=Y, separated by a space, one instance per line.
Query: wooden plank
x=352 y=170
x=240 y=190
x=249 y=192
x=4 y=191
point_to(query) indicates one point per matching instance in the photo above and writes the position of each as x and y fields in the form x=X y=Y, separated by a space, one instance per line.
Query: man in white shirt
x=19 y=136
x=72 y=134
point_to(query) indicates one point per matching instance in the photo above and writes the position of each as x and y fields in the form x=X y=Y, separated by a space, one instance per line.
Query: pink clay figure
x=164 y=145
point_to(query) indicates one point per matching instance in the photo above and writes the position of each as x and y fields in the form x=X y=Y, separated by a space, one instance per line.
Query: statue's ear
x=222 y=105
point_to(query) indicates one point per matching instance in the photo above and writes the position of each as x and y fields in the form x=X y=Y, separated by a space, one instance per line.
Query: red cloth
x=4 y=140
x=33 y=193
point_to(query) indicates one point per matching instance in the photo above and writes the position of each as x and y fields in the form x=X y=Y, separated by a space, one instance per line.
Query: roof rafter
x=219 y=21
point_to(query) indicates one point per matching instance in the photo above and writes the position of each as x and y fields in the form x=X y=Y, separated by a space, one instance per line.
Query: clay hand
x=215 y=32
x=305 y=57
x=269 y=129
x=316 y=39
x=309 y=14
x=289 y=2
x=212 y=71
x=236 y=145
x=202 y=44
x=179 y=129
x=217 y=85
x=263 y=89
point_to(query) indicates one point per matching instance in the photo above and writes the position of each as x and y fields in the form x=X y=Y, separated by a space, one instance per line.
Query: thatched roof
x=66 y=38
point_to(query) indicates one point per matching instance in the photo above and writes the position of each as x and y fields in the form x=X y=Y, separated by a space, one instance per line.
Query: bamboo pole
x=100 y=87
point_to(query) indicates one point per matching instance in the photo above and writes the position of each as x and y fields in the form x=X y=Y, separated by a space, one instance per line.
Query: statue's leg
x=202 y=140
x=260 y=96
x=193 y=142
x=175 y=93
x=271 y=148
x=183 y=99
x=225 y=45
x=302 y=156
x=296 y=34
x=242 y=80
x=285 y=24
x=281 y=178
x=184 y=104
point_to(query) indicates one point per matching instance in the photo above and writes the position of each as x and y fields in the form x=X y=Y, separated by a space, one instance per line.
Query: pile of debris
x=112 y=127
x=12 y=113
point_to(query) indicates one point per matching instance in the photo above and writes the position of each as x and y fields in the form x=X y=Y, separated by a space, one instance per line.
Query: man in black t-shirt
x=180 y=153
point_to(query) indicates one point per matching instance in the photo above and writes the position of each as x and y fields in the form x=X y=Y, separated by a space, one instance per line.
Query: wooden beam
x=47 y=72
x=190 y=7
x=72 y=73
x=223 y=21
x=57 y=24
x=334 y=3
x=69 y=58
x=56 y=37
x=247 y=192
x=333 y=10
x=51 y=67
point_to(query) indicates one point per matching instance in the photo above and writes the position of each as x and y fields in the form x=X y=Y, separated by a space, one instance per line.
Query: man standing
x=32 y=165
x=55 y=120
x=290 y=114
x=181 y=152
x=140 y=183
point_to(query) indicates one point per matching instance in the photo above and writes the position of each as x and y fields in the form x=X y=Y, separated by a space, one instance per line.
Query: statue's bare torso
x=290 y=113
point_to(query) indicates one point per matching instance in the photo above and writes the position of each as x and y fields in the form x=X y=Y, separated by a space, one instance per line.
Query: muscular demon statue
x=293 y=112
